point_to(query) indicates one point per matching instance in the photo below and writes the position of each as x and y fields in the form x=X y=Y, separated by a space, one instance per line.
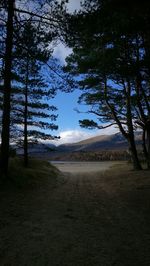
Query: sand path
x=87 y=220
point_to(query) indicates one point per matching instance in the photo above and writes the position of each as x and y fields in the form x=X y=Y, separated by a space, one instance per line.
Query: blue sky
x=68 y=119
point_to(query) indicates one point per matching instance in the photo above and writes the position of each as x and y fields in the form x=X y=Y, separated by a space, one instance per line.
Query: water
x=82 y=167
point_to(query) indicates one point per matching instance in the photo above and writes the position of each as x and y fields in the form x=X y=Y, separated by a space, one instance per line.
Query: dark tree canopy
x=48 y=17
x=111 y=54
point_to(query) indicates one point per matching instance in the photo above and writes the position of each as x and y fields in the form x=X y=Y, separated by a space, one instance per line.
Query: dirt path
x=87 y=220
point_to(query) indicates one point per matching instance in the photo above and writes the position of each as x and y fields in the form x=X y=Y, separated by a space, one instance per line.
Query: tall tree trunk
x=145 y=119
x=131 y=139
x=144 y=145
x=134 y=155
x=148 y=144
x=26 y=118
x=25 y=135
x=130 y=135
x=7 y=91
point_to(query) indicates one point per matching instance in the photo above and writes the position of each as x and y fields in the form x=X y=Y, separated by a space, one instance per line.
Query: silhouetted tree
x=109 y=54
x=30 y=103
x=7 y=89
x=49 y=16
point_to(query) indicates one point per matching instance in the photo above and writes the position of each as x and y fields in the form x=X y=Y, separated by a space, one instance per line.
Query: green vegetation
x=33 y=176
x=110 y=60
x=31 y=109
x=110 y=64
x=27 y=40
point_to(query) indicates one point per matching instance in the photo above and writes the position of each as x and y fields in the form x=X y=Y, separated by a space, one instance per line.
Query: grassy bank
x=37 y=173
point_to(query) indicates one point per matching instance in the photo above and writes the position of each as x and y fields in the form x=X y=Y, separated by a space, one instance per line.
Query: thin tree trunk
x=144 y=146
x=148 y=145
x=7 y=92
x=26 y=119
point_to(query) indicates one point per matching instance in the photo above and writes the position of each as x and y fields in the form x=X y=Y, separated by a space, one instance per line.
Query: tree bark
x=148 y=144
x=130 y=135
x=5 y=137
x=134 y=155
x=131 y=139
x=144 y=145
x=26 y=117
x=145 y=118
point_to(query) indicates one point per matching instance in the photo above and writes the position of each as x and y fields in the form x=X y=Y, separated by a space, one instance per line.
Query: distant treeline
x=96 y=156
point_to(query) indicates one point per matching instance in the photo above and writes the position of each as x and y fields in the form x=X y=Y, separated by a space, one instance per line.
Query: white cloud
x=73 y=5
x=73 y=136
x=108 y=131
x=61 y=52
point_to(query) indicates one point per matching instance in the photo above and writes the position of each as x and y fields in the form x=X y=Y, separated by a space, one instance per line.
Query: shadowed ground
x=94 y=219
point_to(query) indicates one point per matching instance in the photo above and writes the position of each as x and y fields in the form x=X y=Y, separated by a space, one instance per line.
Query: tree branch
x=103 y=127
x=36 y=15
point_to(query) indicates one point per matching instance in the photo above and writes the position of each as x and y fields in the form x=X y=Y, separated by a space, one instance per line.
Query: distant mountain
x=98 y=143
x=102 y=143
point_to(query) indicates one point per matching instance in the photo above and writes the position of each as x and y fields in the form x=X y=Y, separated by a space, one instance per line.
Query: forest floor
x=80 y=219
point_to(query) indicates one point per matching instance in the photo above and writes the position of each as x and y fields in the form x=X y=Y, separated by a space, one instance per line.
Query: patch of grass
x=36 y=174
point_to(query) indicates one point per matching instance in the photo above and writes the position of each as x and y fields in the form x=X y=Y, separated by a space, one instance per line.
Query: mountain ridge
x=101 y=142
x=114 y=142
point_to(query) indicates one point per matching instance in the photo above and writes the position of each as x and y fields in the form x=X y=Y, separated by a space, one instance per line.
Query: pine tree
x=30 y=103
x=105 y=53
x=49 y=17
x=7 y=90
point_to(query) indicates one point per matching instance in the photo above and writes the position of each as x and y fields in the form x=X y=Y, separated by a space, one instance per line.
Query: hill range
x=96 y=148
x=98 y=143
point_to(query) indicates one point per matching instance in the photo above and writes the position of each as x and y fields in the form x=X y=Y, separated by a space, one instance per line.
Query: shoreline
x=83 y=167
